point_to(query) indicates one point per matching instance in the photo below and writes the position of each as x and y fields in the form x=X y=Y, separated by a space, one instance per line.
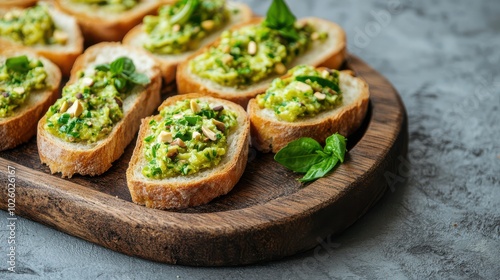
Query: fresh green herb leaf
x=63 y=119
x=102 y=67
x=336 y=145
x=139 y=78
x=149 y=138
x=185 y=13
x=299 y=155
x=18 y=63
x=319 y=169
x=123 y=70
x=321 y=81
x=155 y=148
x=279 y=17
x=305 y=155
x=192 y=120
x=120 y=83
x=116 y=66
x=128 y=66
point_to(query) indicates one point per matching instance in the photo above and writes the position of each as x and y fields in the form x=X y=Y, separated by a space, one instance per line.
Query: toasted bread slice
x=329 y=53
x=62 y=55
x=99 y=24
x=270 y=134
x=94 y=159
x=168 y=62
x=17 y=3
x=21 y=126
x=201 y=187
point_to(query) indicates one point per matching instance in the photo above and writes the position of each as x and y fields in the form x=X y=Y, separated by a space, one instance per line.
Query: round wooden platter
x=267 y=216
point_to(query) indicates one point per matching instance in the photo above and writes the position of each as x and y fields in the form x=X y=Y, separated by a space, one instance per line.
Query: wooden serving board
x=268 y=215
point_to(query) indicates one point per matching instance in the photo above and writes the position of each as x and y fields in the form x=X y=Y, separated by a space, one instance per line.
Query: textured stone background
x=444 y=222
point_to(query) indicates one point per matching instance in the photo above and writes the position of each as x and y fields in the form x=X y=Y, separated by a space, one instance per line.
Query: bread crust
x=270 y=134
x=17 y=3
x=196 y=189
x=62 y=56
x=95 y=159
x=20 y=127
x=331 y=55
x=169 y=63
x=100 y=26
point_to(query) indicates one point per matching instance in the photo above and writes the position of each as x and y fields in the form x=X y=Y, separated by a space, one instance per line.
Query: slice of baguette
x=101 y=25
x=270 y=134
x=329 y=53
x=94 y=159
x=168 y=62
x=62 y=55
x=17 y=3
x=199 y=188
x=21 y=126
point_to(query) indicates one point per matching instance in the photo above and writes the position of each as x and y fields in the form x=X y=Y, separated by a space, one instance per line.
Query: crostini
x=244 y=61
x=195 y=150
x=108 y=20
x=307 y=102
x=172 y=39
x=45 y=30
x=29 y=84
x=111 y=88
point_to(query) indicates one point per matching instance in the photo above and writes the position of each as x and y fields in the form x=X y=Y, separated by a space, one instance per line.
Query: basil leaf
x=299 y=155
x=102 y=67
x=279 y=15
x=18 y=63
x=321 y=81
x=319 y=169
x=139 y=78
x=336 y=145
x=185 y=13
x=116 y=66
x=128 y=66
x=120 y=83
x=290 y=33
x=192 y=120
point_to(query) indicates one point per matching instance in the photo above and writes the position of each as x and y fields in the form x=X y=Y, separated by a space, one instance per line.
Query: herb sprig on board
x=305 y=155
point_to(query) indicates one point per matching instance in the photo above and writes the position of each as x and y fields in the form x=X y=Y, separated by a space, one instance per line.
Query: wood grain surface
x=268 y=215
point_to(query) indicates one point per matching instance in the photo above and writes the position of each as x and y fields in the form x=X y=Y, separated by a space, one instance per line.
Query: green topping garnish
x=110 y=5
x=280 y=18
x=31 y=26
x=180 y=27
x=190 y=136
x=305 y=155
x=304 y=92
x=90 y=107
x=19 y=76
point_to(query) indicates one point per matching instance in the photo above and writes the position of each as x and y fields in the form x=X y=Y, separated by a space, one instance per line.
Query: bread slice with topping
x=270 y=134
x=21 y=126
x=94 y=158
x=240 y=13
x=63 y=55
x=100 y=24
x=330 y=53
x=199 y=188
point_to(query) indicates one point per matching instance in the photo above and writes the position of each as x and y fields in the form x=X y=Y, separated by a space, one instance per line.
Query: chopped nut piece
x=76 y=109
x=79 y=95
x=208 y=24
x=179 y=142
x=178 y=116
x=86 y=81
x=172 y=151
x=220 y=125
x=208 y=133
x=165 y=137
x=61 y=37
x=89 y=124
x=64 y=107
x=315 y=36
x=218 y=108
x=331 y=91
x=303 y=87
x=195 y=107
x=176 y=28
x=252 y=48
x=18 y=90
x=280 y=68
x=118 y=101
x=5 y=94
x=227 y=58
x=319 y=95
x=196 y=135
x=226 y=49
x=325 y=74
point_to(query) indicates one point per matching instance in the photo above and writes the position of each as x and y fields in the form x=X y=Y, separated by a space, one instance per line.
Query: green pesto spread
x=190 y=136
x=110 y=5
x=304 y=92
x=19 y=76
x=180 y=27
x=91 y=106
x=31 y=26
x=250 y=54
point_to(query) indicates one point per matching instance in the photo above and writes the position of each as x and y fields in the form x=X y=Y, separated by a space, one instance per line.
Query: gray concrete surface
x=444 y=222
